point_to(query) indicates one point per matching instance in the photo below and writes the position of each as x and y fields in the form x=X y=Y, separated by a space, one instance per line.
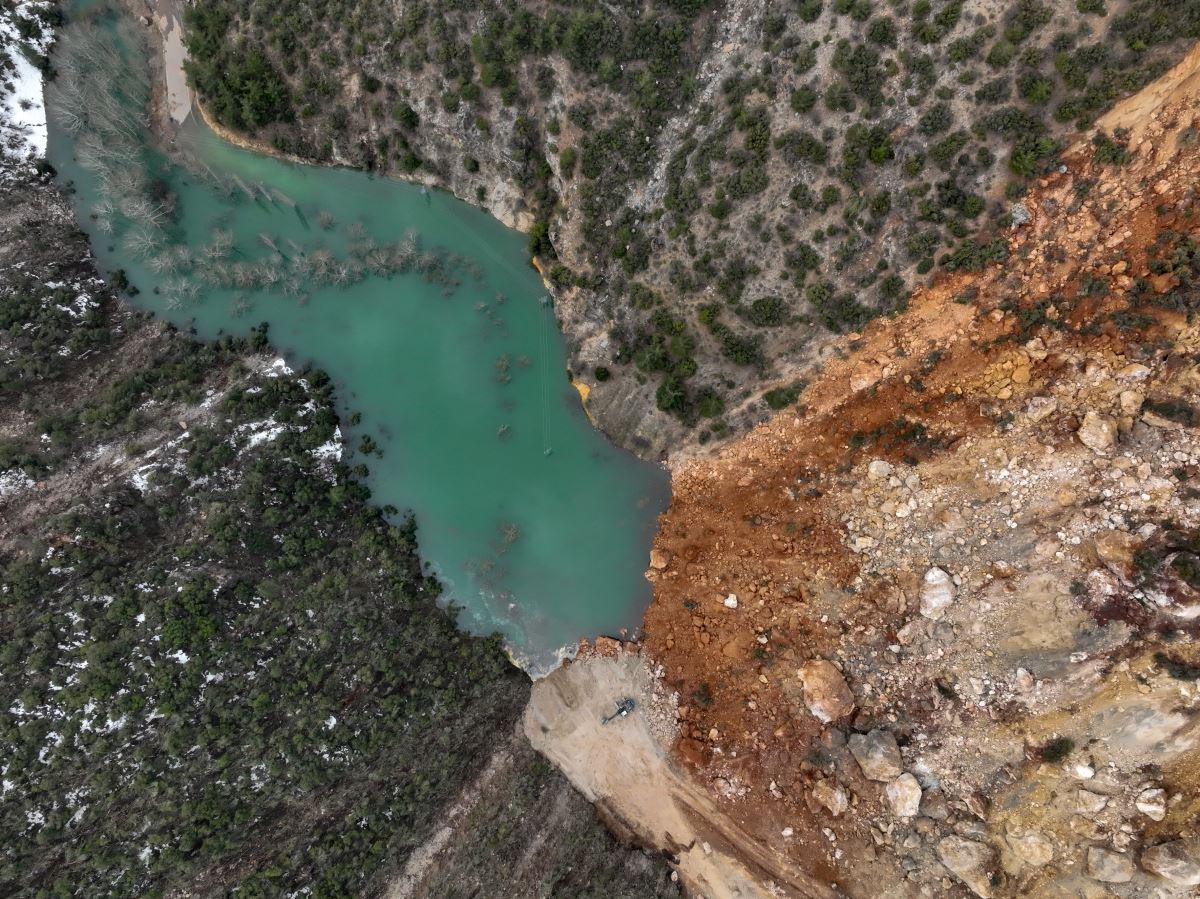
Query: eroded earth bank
x=932 y=632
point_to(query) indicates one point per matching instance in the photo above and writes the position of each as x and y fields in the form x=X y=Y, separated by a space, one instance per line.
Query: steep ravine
x=934 y=631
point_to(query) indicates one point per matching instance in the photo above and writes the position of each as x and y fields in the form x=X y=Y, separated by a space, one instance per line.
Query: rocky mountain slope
x=933 y=632
x=713 y=186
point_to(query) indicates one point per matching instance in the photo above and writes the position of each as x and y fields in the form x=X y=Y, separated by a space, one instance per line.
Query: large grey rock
x=1031 y=847
x=971 y=862
x=1177 y=862
x=877 y=754
x=1089 y=803
x=937 y=593
x=903 y=796
x=934 y=805
x=1152 y=803
x=832 y=795
x=1108 y=866
x=825 y=690
x=1098 y=432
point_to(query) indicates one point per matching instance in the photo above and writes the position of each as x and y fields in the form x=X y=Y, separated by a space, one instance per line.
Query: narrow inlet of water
x=423 y=310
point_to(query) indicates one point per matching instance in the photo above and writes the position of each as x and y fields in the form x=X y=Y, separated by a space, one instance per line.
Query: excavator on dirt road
x=624 y=707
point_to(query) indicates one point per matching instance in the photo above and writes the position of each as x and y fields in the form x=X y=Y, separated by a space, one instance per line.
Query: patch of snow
x=140 y=479
x=113 y=724
x=53 y=741
x=277 y=368
x=266 y=434
x=179 y=656
x=14 y=481
x=22 y=105
x=331 y=450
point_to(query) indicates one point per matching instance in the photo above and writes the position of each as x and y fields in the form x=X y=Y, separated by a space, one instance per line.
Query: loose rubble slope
x=933 y=630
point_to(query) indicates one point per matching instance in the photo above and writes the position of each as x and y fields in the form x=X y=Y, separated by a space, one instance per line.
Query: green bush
x=798 y=146
x=882 y=31
x=936 y=119
x=539 y=240
x=782 y=397
x=240 y=85
x=804 y=98
x=566 y=161
x=767 y=312
x=406 y=117
x=1109 y=152
x=810 y=10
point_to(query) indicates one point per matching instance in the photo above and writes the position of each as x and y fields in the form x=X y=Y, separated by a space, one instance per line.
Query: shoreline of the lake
x=165 y=11
x=163 y=121
x=543 y=611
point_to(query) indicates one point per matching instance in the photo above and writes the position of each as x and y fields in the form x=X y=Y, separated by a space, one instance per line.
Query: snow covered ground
x=24 y=38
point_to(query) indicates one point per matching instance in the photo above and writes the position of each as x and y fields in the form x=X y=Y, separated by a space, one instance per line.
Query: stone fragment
x=1025 y=680
x=659 y=558
x=1116 y=550
x=934 y=805
x=937 y=593
x=1131 y=401
x=1152 y=803
x=825 y=691
x=877 y=754
x=1107 y=866
x=1089 y=803
x=731 y=601
x=969 y=861
x=1134 y=371
x=879 y=469
x=1036 y=348
x=832 y=796
x=1098 y=432
x=1040 y=407
x=903 y=796
x=864 y=376
x=1031 y=847
x=1158 y=421
x=1177 y=862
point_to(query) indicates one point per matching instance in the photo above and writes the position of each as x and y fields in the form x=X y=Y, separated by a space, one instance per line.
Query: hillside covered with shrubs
x=714 y=186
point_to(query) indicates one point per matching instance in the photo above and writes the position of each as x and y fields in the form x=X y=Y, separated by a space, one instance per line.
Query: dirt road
x=624 y=768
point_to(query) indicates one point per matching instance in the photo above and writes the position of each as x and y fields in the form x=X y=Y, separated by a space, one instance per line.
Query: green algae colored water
x=429 y=318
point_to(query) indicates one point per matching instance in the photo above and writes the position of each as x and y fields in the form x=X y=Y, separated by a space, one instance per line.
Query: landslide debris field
x=933 y=631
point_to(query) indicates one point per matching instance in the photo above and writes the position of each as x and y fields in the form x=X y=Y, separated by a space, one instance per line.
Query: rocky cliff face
x=933 y=632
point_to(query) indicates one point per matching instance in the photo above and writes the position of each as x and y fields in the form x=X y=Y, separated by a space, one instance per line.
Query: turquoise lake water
x=425 y=312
